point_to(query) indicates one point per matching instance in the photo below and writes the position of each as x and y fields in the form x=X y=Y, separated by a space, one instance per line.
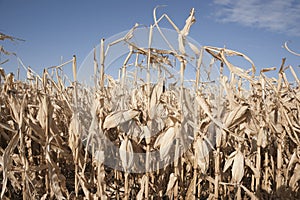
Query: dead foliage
x=245 y=137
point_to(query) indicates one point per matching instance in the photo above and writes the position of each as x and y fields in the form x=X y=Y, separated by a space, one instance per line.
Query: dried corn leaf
x=207 y=110
x=289 y=50
x=250 y=194
x=188 y=23
x=171 y=184
x=140 y=195
x=294 y=159
x=220 y=53
x=229 y=161
x=85 y=187
x=236 y=115
x=194 y=48
x=185 y=31
x=146 y=134
x=7 y=159
x=295 y=177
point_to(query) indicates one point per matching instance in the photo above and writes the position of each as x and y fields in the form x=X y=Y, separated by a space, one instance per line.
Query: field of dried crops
x=240 y=141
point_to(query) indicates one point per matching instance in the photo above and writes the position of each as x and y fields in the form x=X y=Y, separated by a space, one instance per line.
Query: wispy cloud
x=281 y=16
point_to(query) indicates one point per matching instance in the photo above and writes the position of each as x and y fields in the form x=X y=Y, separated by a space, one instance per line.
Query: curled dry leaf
x=289 y=50
x=185 y=31
x=220 y=54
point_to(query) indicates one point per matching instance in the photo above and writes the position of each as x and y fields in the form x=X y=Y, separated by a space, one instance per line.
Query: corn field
x=235 y=139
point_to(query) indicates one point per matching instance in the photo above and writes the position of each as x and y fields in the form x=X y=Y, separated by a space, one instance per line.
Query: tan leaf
x=140 y=195
x=207 y=110
x=295 y=177
x=194 y=48
x=171 y=184
x=220 y=54
x=289 y=50
x=229 y=161
x=146 y=134
x=7 y=159
x=294 y=159
x=235 y=115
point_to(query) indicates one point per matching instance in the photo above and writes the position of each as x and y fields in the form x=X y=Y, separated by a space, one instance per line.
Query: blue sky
x=58 y=28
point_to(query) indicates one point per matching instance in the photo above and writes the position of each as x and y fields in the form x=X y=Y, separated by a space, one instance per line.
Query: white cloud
x=281 y=16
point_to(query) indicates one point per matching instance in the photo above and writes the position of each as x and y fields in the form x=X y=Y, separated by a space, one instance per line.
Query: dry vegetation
x=245 y=134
